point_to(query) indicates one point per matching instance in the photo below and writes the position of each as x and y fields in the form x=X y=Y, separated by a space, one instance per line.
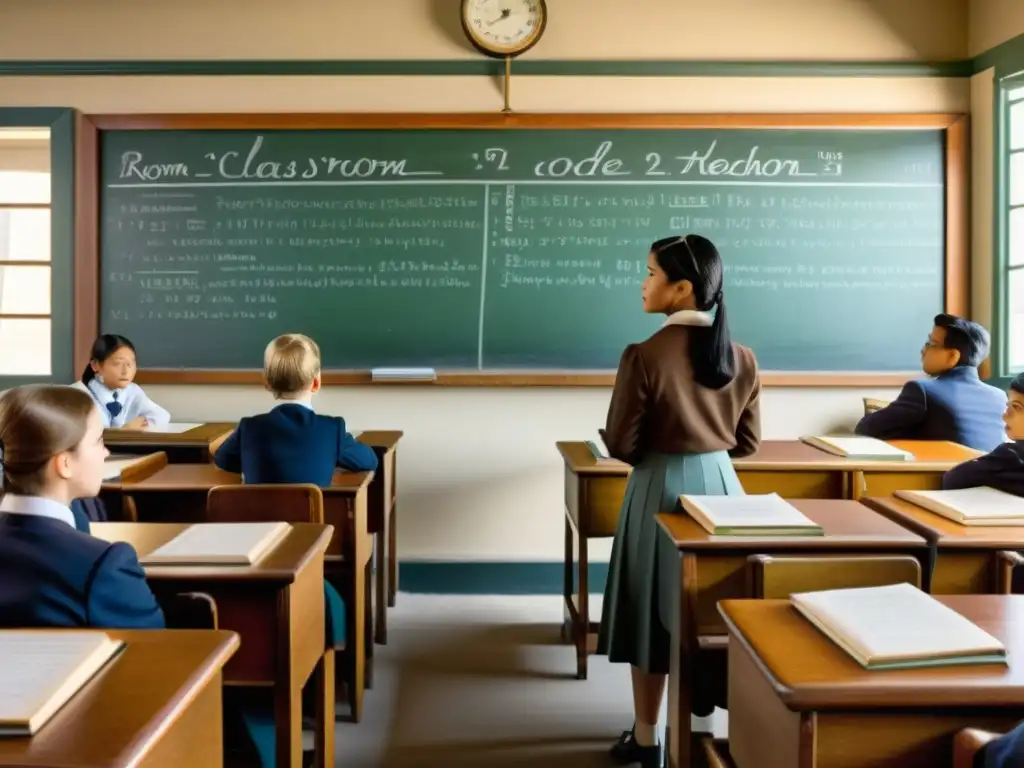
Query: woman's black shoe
x=626 y=751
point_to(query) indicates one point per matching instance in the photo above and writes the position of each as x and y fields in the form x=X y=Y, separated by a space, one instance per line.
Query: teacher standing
x=685 y=401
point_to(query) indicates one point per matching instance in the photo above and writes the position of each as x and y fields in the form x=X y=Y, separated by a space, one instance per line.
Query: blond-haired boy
x=292 y=443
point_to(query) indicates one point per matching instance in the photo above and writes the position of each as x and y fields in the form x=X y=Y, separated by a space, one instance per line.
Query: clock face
x=504 y=27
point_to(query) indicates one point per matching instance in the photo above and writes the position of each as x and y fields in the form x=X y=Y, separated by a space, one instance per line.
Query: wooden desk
x=963 y=557
x=277 y=608
x=796 y=700
x=713 y=568
x=191 y=447
x=157 y=705
x=932 y=458
x=177 y=494
x=594 y=491
x=383 y=506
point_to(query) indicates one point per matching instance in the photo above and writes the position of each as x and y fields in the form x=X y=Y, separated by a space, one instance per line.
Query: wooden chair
x=778 y=577
x=1007 y=564
x=872 y=404
x=298 y=503
x=191 y=610
x=716 y=752
x=967 y=744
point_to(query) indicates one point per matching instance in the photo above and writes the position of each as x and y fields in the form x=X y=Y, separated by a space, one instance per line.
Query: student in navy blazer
x=954 y=404
x=1006 y=751
x=51 y=573
x=292 y=443
x=1003 y=468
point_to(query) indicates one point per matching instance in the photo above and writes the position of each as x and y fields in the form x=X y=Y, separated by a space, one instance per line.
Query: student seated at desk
x=109 y=380
x=1007 y=751
x=292 y=443
x=1003 y=468
x=955 y=404
x=51 y=574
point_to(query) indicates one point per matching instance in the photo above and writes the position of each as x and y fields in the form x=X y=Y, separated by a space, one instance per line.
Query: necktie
x=114 y=407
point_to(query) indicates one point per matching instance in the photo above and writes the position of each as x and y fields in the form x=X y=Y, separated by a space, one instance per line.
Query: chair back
x=774 y=577
x=259 y=503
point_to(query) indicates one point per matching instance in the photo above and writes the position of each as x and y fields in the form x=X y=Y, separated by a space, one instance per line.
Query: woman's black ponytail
x=696 y=259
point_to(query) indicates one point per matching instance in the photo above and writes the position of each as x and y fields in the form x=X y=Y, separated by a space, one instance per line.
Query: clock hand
x=505 y=13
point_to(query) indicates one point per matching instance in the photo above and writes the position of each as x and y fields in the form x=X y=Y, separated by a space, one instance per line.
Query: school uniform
x=956 y=405
x=118 y=407
x=52 y=575
x=293 y=444
x=1005 y=752
x=1002 y=469
x=678 y=436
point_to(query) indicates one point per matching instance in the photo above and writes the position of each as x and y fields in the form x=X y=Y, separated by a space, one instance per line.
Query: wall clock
x=504 y=28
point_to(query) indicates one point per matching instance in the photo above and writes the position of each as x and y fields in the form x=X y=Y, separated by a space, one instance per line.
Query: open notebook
x=971 y=506
x=897 y=627
x=114 y=465
x=752 y=515
x=219 y=544
x=174 y=428
x=41 y=671
x=858 y=448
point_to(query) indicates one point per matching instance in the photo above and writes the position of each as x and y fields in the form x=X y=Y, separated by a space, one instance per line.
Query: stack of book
x=897 y=627
x=753 y=515
x=41 y=670
x=971 y=506
x=219 y=544
x=866 y=448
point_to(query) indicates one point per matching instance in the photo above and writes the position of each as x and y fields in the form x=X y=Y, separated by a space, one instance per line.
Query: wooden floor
x=484 y=681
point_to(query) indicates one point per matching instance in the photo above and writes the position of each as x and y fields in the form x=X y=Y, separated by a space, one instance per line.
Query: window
x=25 y=270
x=1011 y=240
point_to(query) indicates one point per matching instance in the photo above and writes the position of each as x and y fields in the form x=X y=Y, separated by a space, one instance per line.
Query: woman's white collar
x=689 y=317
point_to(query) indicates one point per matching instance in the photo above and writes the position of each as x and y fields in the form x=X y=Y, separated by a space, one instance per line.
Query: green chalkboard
x=515 y=248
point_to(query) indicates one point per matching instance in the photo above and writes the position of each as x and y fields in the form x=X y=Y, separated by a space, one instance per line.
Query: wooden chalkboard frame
x=87 y=267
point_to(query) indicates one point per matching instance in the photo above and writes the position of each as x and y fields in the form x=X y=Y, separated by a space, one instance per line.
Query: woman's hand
x=139 y=423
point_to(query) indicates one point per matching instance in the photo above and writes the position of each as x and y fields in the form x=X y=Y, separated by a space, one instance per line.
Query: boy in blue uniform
x=1003 y=468
x=954 y=404
x=292 y=443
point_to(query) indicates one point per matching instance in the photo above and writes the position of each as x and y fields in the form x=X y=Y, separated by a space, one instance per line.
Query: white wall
x=479 y=474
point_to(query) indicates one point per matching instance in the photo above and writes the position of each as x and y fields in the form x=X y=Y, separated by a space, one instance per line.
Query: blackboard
x=518 y=249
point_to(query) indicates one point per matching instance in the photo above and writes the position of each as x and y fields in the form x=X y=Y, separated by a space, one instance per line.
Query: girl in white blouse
x=109 y=380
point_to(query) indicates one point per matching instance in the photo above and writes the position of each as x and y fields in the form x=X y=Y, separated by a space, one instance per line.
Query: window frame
x=61 y=123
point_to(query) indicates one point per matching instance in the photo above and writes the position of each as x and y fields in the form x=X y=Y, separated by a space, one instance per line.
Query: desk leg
x=383 y=567
x=356 y=649
x=576 y=603
x=324 y=737
x=392 y=525
x=680 y=678
x=368 y=600
x=288 y=720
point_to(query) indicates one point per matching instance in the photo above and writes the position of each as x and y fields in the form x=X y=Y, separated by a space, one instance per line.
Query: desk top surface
x=202 y=435
x=947 y=533
x=120 y=715
x=808 y=671
x=794 y=455
x=201 y=477
x=845 y=523
x=281 y=564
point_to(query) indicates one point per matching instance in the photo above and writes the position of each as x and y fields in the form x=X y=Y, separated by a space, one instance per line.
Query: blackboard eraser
x=403 y=374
